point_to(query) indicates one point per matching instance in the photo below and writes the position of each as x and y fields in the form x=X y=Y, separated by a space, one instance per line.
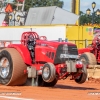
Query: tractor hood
x=53 y=43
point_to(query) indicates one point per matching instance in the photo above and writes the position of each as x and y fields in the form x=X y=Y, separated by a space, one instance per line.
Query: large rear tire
x=88 y=58
x=12 y=67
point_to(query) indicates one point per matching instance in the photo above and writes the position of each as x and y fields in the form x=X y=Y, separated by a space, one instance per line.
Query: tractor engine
x=66 y=52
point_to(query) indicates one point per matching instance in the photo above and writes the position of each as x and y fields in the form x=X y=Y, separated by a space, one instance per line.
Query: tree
x=85 y=19
x=41 y=3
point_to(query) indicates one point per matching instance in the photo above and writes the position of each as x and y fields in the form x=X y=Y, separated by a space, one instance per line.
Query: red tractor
x=91 y=54
x=36 y=61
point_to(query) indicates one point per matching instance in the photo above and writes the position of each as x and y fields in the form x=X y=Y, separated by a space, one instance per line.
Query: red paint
x=8 y=8
x=25 y=71
x=94 y=48
x=20 y=0
x=42 y=47
x=79 y=65
x=23 y=51
x=81 y=51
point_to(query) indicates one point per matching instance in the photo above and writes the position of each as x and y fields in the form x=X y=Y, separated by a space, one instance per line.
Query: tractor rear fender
x=23 y=51
x=83 y=50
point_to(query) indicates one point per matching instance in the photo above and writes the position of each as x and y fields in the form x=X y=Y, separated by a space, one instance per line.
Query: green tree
x=85 y=19
x=0 y=4
x=41 y=3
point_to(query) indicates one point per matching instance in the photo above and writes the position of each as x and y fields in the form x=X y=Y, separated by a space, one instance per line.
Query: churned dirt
x=63 y=90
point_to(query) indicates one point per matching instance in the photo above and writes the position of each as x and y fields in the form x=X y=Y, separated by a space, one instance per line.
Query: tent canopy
x=50 y=15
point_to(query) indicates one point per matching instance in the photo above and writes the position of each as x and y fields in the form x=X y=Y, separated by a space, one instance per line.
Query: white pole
x=23 y=5
x=17 y=5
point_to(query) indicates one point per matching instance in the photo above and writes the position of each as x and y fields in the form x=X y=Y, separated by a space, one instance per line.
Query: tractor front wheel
x=42 y=83
x=48 y=72
x=82 y=78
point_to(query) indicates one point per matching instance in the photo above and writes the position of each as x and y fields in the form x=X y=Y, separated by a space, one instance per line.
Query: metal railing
x=82 y=43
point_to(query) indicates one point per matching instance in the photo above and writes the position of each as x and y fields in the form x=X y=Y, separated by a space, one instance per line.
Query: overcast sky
x=84 y=4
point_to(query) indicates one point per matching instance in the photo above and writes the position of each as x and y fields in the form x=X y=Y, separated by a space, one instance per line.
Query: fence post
x=75 y=41
x=66 y=39
x=86 y=43
x=60 y=39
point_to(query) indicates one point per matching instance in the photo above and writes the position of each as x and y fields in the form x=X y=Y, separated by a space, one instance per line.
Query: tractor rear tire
x=88 y=58
x=16 y=68
x=83 y=77
x=48 y=72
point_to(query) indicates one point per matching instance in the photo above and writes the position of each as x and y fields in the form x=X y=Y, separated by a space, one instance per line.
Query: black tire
x=82 y=78
x=88 y=58
x=50 y=84
x=51 y=74
x=42 y=83
x=6 y=54
x=39 y=82
x=17 y=66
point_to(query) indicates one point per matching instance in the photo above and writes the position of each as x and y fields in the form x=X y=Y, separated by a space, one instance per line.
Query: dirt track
x=64 y=90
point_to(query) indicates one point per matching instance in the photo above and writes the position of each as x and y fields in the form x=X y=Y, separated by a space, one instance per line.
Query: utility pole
x=17 y=5
x=75 y=8
x=23 y=5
